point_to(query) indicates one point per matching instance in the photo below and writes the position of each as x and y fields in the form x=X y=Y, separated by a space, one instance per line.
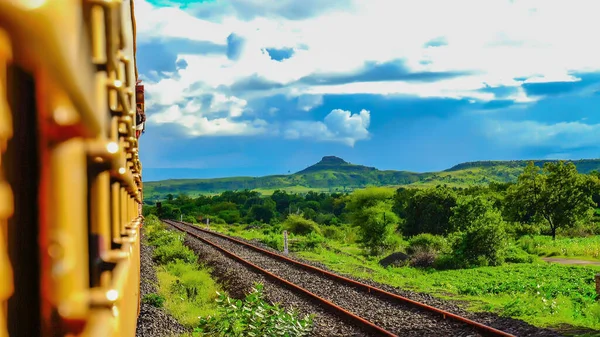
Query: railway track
x=375 y=310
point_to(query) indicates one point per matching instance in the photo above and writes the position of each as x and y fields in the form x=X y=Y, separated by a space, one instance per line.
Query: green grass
x=187 y=288
x=583 y=248
x=540 y=293
x=547 y=295
x=190 y=292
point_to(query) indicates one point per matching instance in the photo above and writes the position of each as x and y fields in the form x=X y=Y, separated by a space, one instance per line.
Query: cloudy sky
x=257 y=87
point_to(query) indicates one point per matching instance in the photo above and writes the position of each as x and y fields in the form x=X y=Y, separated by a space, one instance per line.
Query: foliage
x=298 y=225
x=253 y=316
x=332 y=232
x=467 y=211
x=562 y=246
x=185 y=288
x=429 y=211
x=171 y=249
x=428 y=242
x=560 y=197
x=309 y=242
x=423 y=257
x=515 y=254
x=371 y=211
x=154 y=300
x=483 y=241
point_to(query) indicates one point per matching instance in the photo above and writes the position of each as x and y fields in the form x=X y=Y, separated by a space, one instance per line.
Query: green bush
x=217 y=221
x=191 y=283
x=428 y=242
x=333 y=233
x=517 y=229
x=311 y=241
x=446 y=261
x=230 y=216
x=300 y=226
x=483 y=243
x=154 y=300
x=274 y=241
x=516 y=254
x=253 y=316
x=170 y=248
x=393 y=242
x=190 y=219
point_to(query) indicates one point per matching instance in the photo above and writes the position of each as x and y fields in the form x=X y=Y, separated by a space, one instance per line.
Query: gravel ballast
x=152 y=321
x=238 y=280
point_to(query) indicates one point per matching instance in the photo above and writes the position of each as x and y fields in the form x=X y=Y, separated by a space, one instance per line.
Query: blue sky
x=257 y=87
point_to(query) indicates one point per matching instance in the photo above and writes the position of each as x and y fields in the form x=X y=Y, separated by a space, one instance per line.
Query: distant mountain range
x=333 y=174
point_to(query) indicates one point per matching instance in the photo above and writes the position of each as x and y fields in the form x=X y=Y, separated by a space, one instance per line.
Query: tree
x=564 y=199
x=523 y=199
x=429 y=211
x=401 y=199
x=467 y=211
x=593 y=186
x=561 y=196
x=264 y=211
x=282 y=201
x=371 y=211
x=483 y=240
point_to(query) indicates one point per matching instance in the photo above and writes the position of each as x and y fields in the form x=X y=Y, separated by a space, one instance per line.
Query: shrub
x=230 y=216
x=154 y=300
x=423 y=258
x=173 y=251
x=393 y=242
x=517 y=229
x=190 y=219
x=483 y=242
x=428 y=242
x=310 y=242
x=515 y=254
x=217 y=221
x=333 y=233
x=274 y=241
x=298 y=225
x=447 y=261
x=253 y=316
x=273 y=229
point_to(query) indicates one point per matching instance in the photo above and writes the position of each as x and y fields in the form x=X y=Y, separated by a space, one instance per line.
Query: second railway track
x=375 y=310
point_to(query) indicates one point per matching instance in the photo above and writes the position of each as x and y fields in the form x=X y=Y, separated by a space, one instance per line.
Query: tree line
x=549 y=200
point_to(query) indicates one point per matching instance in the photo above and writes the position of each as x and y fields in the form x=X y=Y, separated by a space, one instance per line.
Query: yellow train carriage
x=70 y=175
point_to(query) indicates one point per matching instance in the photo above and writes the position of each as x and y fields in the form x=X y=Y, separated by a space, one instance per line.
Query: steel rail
x=361 y=321
x=368 y=288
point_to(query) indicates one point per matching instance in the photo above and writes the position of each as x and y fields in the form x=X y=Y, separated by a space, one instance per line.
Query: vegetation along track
x=375 y=310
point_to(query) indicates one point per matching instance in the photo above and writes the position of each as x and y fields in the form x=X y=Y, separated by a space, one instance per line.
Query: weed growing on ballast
x=253 y=316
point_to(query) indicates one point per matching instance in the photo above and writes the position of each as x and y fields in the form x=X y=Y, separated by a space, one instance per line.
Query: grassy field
x=584 y=248
x=547 y=295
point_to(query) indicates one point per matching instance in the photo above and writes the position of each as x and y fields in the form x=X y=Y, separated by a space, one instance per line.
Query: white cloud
x=309 y=102
x=338 y=126
x=563 y=135
x=200 y=125
x=497 y=39
x=166 y=22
